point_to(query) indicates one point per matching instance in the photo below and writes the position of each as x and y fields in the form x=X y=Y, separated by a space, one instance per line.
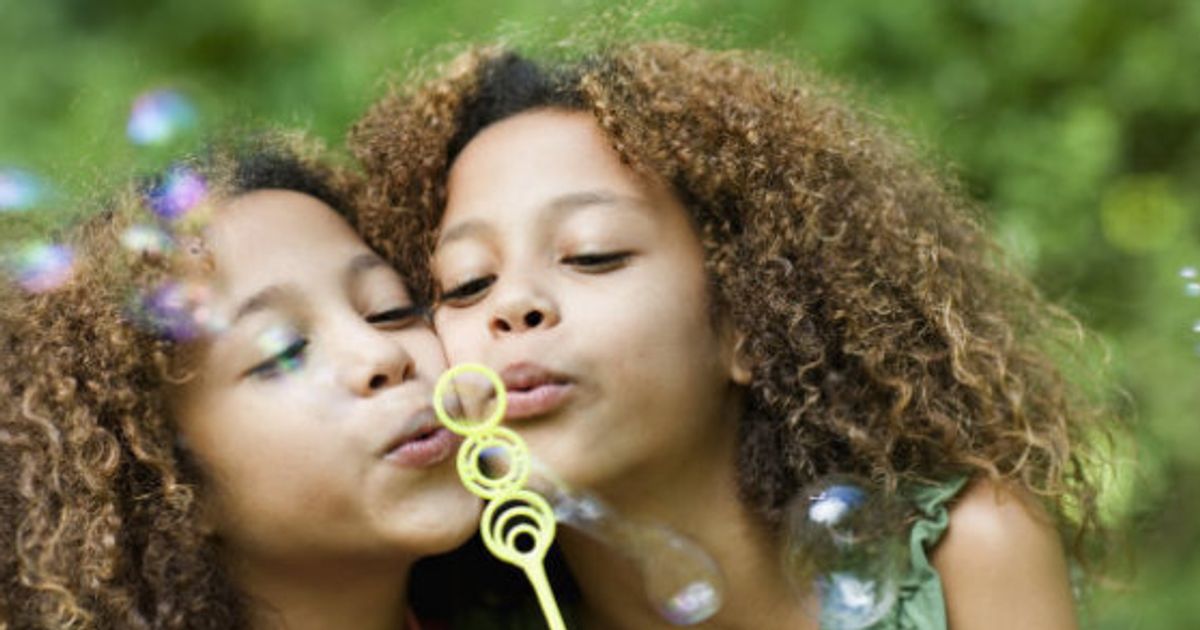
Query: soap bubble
x=179 y=190
x=1188 y=273
x=19 y=190
x=681 y=580
x=41 y=267
x=147 y=239
x=844 y=547
x=1192 y=289
x=159 y=116
x=177 y=310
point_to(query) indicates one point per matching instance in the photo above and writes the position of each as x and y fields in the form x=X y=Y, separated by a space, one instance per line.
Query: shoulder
x=1001 y=562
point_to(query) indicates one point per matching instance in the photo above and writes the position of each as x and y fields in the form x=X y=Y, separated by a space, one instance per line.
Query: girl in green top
x=707 y=281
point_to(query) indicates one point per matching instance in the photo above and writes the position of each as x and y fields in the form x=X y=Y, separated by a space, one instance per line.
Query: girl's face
x=584 y=286
x=310 y=415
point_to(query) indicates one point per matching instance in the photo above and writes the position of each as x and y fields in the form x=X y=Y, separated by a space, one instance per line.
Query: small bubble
x=843 y=545
x=159 y=116
x=146 y=239
x=180 y=190
x=1192 y=289
x=1196 y=326
x=19 y=190
x=41 y=267
x=179 y=311
x=1188 y=273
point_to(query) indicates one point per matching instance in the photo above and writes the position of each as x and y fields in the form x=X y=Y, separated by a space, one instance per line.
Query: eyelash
x=467 y=290
x=397 y=318
x=589 y=263
x=598 y=262
x=277 y=363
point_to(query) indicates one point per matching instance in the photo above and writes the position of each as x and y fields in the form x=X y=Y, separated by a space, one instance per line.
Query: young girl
x=233 y=434
x=707 y=284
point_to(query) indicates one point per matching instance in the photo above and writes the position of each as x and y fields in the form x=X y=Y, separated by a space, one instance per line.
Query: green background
x=1077 y=124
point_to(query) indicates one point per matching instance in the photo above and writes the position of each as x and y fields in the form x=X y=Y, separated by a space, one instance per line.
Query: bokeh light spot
x=19 y=190
x=180 y=190
x=159 y=116
x=41 y=267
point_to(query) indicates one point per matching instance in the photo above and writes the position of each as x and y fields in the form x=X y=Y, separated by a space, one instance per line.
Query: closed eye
x=287 y=360
x=598 y=262
x=464 y=292
x=401 y=317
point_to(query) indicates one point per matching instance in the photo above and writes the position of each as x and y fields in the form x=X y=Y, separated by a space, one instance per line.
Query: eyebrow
x=262 y=300
x=272 y=295
x=363 y=263
x=561 y=205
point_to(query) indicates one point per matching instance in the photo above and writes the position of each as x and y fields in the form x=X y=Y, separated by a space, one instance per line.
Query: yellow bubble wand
x=518 y=524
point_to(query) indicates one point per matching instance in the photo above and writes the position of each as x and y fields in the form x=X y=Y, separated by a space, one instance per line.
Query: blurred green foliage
x=1076 y=123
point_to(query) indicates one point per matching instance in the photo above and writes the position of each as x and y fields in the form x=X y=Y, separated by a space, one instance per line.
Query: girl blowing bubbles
x=278 y=468
x=708 y=283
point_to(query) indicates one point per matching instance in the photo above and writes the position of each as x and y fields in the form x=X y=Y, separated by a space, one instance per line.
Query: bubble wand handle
x=517 y=524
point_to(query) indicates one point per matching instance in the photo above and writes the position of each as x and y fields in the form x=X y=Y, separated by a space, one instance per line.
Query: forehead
x=537 y=154
x=277 y=232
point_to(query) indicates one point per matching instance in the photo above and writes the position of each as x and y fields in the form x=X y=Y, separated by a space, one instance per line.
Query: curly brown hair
x=100 y=503
x=887 y=334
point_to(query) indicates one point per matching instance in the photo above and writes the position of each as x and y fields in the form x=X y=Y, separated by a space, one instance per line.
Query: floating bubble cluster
x=41 y=267
x=19 y=190
x=160 y=116
x=180 y=311
x=844 y=549
x=179 y=191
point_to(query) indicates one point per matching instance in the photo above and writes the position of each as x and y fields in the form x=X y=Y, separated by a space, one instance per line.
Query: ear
x=738 y=364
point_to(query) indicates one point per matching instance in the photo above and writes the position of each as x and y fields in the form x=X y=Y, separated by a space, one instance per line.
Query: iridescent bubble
x=180 y=311
x=180 y=190
x=159 y=116
x=679 y=578
x=41 y=267
x=19 y=190
x=147 y=239
x=844 y=548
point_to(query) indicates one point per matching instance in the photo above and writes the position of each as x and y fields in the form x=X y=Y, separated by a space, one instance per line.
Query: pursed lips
x=421 y=441
x=534 y=390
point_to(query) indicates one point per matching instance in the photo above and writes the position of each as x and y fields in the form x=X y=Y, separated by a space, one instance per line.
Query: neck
x=325 y=594
x=699 y=500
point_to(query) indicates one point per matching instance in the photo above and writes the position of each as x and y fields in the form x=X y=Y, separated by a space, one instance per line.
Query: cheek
x=460 y=336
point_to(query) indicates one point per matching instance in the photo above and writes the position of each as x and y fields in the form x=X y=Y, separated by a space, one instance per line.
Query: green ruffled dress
x=920 y=604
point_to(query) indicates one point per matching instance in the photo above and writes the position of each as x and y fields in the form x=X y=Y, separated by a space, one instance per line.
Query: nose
x=375 y=361
x=522 y=308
